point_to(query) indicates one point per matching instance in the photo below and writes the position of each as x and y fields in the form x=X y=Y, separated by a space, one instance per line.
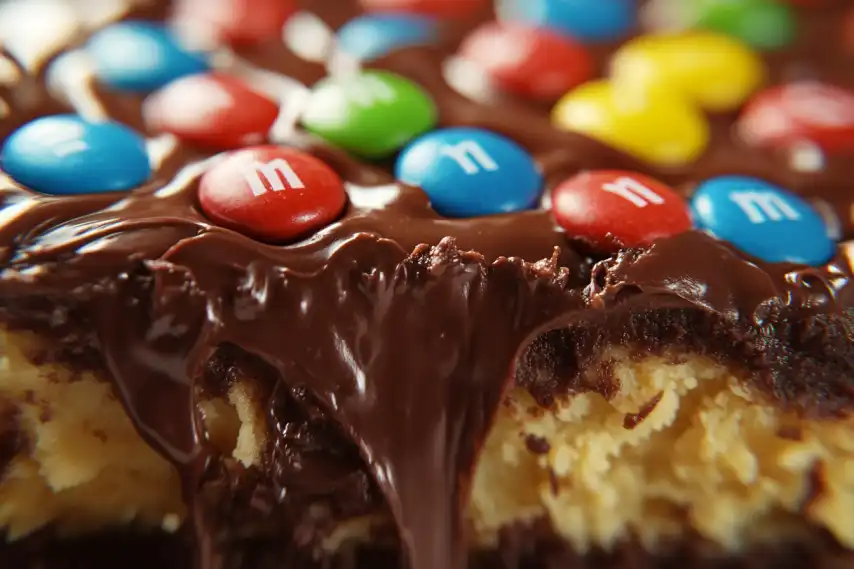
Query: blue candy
x=141 y=57
x=585 y=20
x=468 y=172
x=64 y=154
x=762 y=220
x=372 y=36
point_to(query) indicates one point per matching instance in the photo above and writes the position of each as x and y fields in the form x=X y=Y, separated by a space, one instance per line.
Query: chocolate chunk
x=537 y=444
x=632 y=420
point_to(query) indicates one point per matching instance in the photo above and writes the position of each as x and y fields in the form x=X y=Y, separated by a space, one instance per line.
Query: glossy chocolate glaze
x=400 y=329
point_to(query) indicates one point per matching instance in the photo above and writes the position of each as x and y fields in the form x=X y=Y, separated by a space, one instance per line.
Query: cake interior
x=677 y=447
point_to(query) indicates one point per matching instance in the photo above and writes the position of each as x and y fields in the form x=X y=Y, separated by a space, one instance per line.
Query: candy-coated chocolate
x=717 y=72
x=762 y=220
x=140 y=56
x=374 y=35
x=371 y=114
x=65 y=154
x=664 y=129
x=613 y=209
x=586 y=20
x=468 y=172
x=438 y=8
x=212 y=109
x=805 y=111
x=236 y=21
x=763 y=24
x=271 y=193
x=530 y=62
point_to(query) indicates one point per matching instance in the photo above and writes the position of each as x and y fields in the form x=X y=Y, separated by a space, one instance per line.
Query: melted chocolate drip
x=401 y=327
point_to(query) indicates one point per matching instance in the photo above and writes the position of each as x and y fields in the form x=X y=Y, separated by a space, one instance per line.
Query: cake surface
x=315 y=284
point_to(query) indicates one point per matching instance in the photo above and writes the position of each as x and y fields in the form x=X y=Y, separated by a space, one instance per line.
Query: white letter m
x=759 y=207
x=277 y=174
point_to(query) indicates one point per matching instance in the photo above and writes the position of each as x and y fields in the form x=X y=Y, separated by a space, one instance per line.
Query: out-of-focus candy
x=371 y=114
x=763 y=24
x=585 y=20
x=468 y=172
x=805 y=111
x=530 y=62
x=235 y=21
x=762 y=220
x=374 y=35
x=663 y=129
x=715 y=71
x=65 y=154
x=272 y=193
x=140 y=57
x=438 y=8
x=614 y=209
x=213 y=110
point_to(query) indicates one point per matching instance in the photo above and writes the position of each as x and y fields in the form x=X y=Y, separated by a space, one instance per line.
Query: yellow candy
x=717 y=72
x=666 y=130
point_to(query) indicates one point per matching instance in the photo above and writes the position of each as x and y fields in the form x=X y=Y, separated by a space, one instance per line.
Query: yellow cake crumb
x=681 y=446
x=85 y=467
x=709 y=452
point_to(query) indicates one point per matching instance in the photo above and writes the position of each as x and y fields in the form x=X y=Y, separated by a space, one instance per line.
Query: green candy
x=762 y=24
x=372 y=114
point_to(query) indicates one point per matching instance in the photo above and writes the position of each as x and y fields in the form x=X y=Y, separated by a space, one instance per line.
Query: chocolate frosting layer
x=401 y=327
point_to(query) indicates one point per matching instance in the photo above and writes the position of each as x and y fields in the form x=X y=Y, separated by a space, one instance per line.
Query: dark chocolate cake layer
x=519 y=549
x=398 y=332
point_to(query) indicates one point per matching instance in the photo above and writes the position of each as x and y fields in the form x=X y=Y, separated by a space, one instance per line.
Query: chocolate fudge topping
x=402 y=327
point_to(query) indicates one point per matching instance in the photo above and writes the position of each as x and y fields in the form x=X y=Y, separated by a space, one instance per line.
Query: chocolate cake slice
x=433 y=284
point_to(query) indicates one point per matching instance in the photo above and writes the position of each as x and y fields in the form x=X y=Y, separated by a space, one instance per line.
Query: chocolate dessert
x=426 y=284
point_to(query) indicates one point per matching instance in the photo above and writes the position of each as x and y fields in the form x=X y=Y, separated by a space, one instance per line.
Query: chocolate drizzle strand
x=383 y=345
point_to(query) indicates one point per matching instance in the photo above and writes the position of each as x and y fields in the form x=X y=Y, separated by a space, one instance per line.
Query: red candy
x=610 y=209
x=437 y=8
x=237 y=21
x=271 y=193
x=529 y=62
x=212 y=110
x=807 y=111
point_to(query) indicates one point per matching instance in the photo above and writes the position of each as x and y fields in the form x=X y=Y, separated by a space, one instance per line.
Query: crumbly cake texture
x=683 y=445
x=679 y=404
